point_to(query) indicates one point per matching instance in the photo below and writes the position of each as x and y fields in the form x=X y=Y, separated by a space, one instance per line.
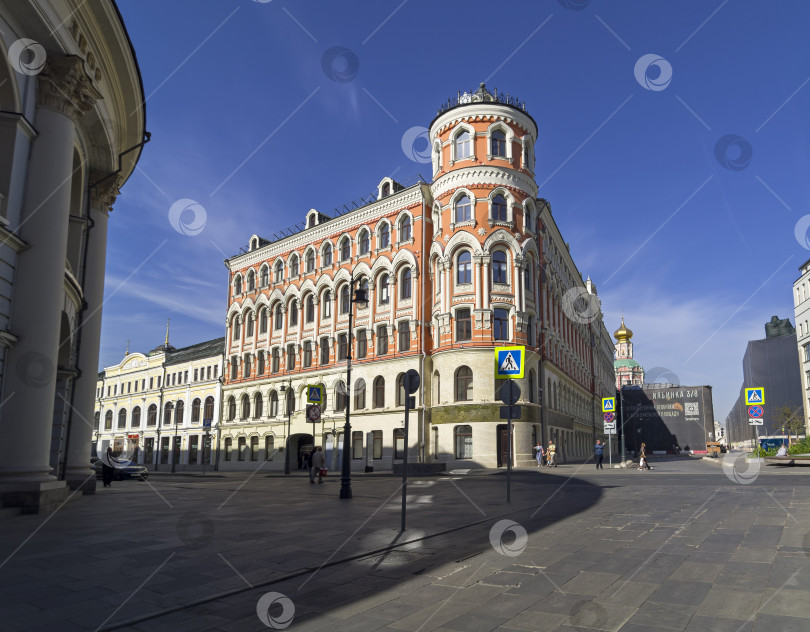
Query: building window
x=195 y=411
x=378 y=398
x=269 y=448
x=273 y=404
x=343 y=346
x=151 y=415
x=399 y=443
x=405 y=284
x=122 y=418
x=500 y=324
x=264 y=276
x=251 y=281
x=178 y=413
x=463 y=442
x=404 y=336
x=499 y=267
x=382 y=340
x=279 y=317
x=307 y=354
x=234 y=326
x=309 y=314
x=357 y=445
x=385 y=236
x=327 y=305
x=290 y=401
x=324 y=351
x=463 y=209
x=806 y=352
x=208 y=410
x=294 y=266
x=499 y=208
x=345 y=303
x=498 y=144
x=463 y=145
x=376 y=442
x=260 y=362
x=463 y=325
x=464 y=268
x=293 y=314
x=405 y=229
x=290 y=357
x=228 y=448
x=531 y=386
x=360 y=394
x=464 y=384
x=364 y=241
x=400 y=390
x=254 y=448
x=384 y=296
x=108 y=420
x=275 y=358
x=345 y=249
x=362 y=345
x=327 y=255
x=167 y=414
x=279 y=272
x=340 y=397
x=237 y=285
x=245 y=407
x=263 y=320
x=241 y=448
x=246 y=369
x=310 y=261
x=258 y=406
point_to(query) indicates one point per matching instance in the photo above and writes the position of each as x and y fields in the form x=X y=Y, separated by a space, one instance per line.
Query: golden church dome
x=623 y=334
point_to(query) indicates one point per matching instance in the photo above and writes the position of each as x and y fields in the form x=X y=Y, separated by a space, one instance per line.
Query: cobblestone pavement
x=691 y=545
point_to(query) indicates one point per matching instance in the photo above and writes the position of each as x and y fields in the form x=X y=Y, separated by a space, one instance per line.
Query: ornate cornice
x=64 y=86
x=489 y=175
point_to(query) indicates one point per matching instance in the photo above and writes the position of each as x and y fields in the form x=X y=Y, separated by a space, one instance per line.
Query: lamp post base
x=345 y=490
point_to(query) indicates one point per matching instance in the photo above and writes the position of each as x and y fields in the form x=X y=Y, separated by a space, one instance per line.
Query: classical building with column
x=161 y=409
x=72 y=124
x=801 y=310
x=453 y=269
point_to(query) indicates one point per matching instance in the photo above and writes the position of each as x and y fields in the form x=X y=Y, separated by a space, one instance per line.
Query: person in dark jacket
x=107 y=469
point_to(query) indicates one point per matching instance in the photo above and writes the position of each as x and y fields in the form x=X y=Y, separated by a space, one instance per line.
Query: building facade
x=72 y=125
x=801 y=310
x=162 y=408
x=452 y=269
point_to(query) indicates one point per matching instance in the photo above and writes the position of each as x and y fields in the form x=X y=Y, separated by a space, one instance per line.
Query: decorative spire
x=167 y=331
x=126 y=353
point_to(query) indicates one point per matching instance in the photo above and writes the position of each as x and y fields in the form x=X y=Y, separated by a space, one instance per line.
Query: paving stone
x=729 y=603
x=714 y=624
x=588 y=583
x=780 y=623
x=787 y=602
x=662 y=615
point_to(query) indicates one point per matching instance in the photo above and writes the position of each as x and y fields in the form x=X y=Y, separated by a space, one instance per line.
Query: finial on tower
x=167 y=331
x=126 y=353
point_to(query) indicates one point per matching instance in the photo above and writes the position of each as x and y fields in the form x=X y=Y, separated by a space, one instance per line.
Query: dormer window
x=254 y=243
x=386 y=190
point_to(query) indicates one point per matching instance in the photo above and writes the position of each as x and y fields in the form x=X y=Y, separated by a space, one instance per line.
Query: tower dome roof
x=623 y=333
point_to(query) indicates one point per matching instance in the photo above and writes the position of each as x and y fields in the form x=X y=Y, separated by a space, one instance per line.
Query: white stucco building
x=801 y=310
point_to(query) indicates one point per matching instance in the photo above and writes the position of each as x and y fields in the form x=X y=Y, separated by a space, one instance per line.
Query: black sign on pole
x=411 y=384
x=510 y=393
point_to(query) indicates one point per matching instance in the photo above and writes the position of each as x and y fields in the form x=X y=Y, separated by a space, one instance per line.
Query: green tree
x=790 y=420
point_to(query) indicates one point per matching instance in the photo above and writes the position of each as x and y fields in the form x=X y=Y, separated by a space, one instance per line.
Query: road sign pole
x=411 y=383
x=610 y=449
x=508 y=385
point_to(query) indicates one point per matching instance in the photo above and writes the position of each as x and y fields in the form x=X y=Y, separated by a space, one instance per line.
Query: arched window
x=294 y=266
x=269 y=447
x=136 y=417
x=228 y=448
x=237 y=284
x=258 y=406
x=195 y=411
x=254 y=448
x=293 y=309
x=151 y=415
x=179 y=409
x=327 y=304
x=386 y=190
x=167 y=413
x=464 y=384
x=108 y=420
x=385 y=235
x=499 y=266
x=231 y=408
x=235 y=328
x=498 y=144
x=310 y=261
x=279 y=272
x=531 y=386
x=360 y=394
x=122 y=418
x=463 y=209
x=384 y=297
x=263 y=320
x=310 y=309
x=264 y=276
x=463 y=145
x=437 y=383
x=279 y=316
x=273 y=404
x=290 y=401
x=245 y=407
x=364 y=242
x=405 y=284
x=364 y=288
x=327 y=255
x=241 y=448
x=345 y=249
x=344 y=299
x=463 y=442
x=378 y=399
x=340 y=396
x=405 y=229
x=249 y=327
x=464 y=268
x=251 y=281
x=401 y=394
x=499 y=208
x=208 y=411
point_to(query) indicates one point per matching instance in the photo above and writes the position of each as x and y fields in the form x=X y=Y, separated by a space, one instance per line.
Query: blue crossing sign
x=754 y=396
x=608 y=404
x=314 y=394
x=509 y=362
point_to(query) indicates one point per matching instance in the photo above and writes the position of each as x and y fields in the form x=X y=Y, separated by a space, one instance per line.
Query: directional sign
x=754 y=396
x=609 y=417
x=314 y=394
x=608 y=404
x=314 y=413
x=610 y=426
x=509 y=362
x=753 y=421
x=755 y=411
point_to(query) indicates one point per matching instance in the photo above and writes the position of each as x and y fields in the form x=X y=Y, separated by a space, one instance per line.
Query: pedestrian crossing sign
x=509 y=362
x=754 y=396
x=608 y=404
x=314 y=394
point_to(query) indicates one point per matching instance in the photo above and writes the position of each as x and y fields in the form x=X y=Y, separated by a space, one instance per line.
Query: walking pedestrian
x=538 y=454
x=107 y=469
x=643 y=463
x=600 y=448
x=552 y=453
x=318 y=465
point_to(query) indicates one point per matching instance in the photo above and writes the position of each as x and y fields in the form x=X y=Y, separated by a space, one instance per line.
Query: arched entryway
x=300 y=447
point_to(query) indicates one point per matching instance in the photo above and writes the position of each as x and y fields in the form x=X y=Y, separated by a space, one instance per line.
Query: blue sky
x=678 y=194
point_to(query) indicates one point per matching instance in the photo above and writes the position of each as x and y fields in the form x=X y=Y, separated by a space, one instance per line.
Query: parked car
x=131 y=470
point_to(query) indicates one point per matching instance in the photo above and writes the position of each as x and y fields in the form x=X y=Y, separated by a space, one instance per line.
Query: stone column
x=518 y=281
x=414 y=289
x=64 y=92
x=477 y=280
x=447 y=289
x=78 y=468
x=486 y=282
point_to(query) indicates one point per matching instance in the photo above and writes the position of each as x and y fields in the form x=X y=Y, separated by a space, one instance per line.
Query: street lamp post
x=345 y=474
x=285 y=390
x=175 y=451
